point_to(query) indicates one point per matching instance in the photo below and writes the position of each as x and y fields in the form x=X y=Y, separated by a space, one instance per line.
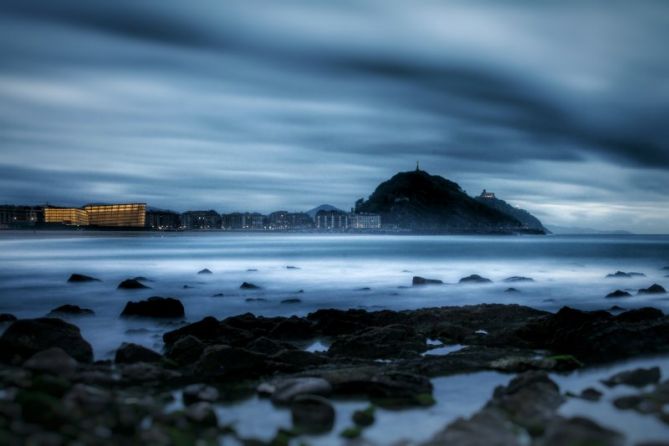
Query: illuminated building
x=364 y=221
x=331 y=220
x=66 y=216
x=201 y=220
x=128 y=215
x=486 y=194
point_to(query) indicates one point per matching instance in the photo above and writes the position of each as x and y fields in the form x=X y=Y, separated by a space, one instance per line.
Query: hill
x=529 y=221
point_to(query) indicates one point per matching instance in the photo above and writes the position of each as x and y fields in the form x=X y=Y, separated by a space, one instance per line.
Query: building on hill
x=486 y=194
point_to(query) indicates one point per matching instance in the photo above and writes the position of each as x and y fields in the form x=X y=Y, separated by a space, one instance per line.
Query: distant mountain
x=419 y=201
x=528 y=220
x=570 y=230
x=323 y=207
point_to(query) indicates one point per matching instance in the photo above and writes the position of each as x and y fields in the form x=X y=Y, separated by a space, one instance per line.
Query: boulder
x=211 y=330
x=249 y=286
x=580 y=431
x=159 y=307
x=636 y=378
x=391 y=341
x=201 y=414
x=286 y=390
x=653 y=289
x=475 y=278
x=514 y=279
x=512 y=290
x=295 y=360
x=204 y=271
x=129 y=353
x=266 y=346
x=6 y=317
x=292 y=267
x=26 y=337
x=590 y=394
x=417 y=280
x=80 y=278
x=292 y=300
x=131 y=284
x=618 y=293
x=225 y=362
x=53 y=361
x=72 y=310
x=293 y=328
x=185 y=350
x=312 y=414
x=640 y=315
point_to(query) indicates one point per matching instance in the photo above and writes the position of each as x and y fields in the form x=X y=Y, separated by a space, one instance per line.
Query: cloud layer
x=561 y=109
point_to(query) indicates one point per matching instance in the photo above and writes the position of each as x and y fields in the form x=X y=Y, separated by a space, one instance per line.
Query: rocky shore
x=53 y=391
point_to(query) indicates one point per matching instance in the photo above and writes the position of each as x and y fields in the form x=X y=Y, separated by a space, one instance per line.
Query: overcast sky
x=561 y=109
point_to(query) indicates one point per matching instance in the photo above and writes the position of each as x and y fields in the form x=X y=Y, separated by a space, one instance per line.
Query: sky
x=561 y=108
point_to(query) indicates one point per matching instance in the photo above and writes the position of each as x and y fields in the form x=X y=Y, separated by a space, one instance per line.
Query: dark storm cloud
x=560 y=108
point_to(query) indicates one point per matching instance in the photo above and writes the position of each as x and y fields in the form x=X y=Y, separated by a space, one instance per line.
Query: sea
x=300 y=273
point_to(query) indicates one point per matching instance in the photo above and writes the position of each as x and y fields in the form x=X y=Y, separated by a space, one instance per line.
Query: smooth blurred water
x=333 y=272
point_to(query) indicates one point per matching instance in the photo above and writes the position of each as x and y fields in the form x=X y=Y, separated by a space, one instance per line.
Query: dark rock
x=211 y=330
x=54 y=361
x=26 y=337
x=625 y=275
x=185 y=350
x=484 y=428
x=364 y=289
x=79 y=278
x=511 y=290
x=616 y=308
x=70 y=309
x=159 y=307
x=653 y=289
x=295 y=360
x=187 y=287
x=249 y=286
x=637 y=378
x=580 y=431
x=292 y=300
x=286 y=390
x=196 y=393
x=293 y=328
x=292 y=267
x=591 y=394
x=255 y=299
x=391 y=341
x=628 y=402
x=6 y=317
x=417 y=280
x=618 y=293
x=204 y=271
x=364 y=417
x=640 y=315
x=225 y=362
x=218 y=295
x=131 y=284
x=268 y=346
x=252 y=270
x=130 y=353
x=475 y=278
x=312 y=414
x=513 y=279
x=201 y=414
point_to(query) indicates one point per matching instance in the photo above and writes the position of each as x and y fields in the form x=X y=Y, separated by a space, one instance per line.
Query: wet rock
x=366 y=288
x=638 y=315
x=158 y=307
x=637 y=378
x=391 y=341
x=255 y=299
x=312 y=414
x=266 y=346
x=653 y=289
x=628 y=402
x=293 y=328
x=146 y=372
x=223 y=361
x=618 y=293
x=475 y=278
x=485 y=428
x=211 y=330
x=196 y=393
x=616 y=308
x=6 y=317
x=218 y=295
x=185 y=350
x=249 y=286
x=295 y=360
x=80 y=278
x=201 y=414
x=590 y=394
x=41 y=409
x=26 y=337
x=580 y=431
x=512 y=290
x=252 y=270
x=513 y=279
x=205 y=271
x=417 y=280
x=286 y=390
x=624 y=275
x=292 y=267
x=292 y=300
x=131 y=284
x=70 y=309
x=54 y=361
x=364 y=417
x=130 y=353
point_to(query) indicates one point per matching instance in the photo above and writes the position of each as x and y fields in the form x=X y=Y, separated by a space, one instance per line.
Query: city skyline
x=560 y=110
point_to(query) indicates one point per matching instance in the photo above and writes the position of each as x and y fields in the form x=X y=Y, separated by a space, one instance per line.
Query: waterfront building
x=300 y=221
x=66 y=216
x=278 y=221
x=201 y=220
x=162 y=220
x=124 y=215
x=245 y=221
x=12 y=216
x=332 y=220
x=364 y=221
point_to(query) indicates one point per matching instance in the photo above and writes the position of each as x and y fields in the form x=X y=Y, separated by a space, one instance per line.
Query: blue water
x=333 y=271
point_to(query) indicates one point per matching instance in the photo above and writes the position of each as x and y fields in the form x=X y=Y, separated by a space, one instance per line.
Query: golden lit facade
x=117 y=215
x=66 y=216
